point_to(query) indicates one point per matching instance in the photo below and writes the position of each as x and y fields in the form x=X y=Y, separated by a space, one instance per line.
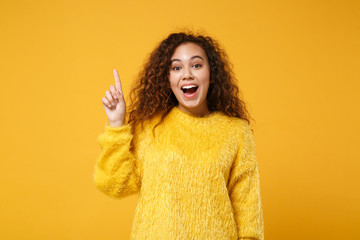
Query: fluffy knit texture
x=197 y=177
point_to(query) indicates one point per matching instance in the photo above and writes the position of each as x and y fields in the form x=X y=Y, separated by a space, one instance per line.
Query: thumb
x=118 y=94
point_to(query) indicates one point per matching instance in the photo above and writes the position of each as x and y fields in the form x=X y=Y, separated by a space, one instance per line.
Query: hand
x=114 y=103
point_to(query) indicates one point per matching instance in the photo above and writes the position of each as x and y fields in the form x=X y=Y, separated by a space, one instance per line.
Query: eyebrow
x=196 y=56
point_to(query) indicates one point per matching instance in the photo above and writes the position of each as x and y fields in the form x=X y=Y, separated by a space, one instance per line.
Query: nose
x=187 y=74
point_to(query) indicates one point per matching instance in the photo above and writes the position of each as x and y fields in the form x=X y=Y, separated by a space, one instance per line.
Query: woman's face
x=190 y=78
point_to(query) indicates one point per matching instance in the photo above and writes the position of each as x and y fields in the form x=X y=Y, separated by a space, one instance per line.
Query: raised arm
x=244 y=190
x=116 y=173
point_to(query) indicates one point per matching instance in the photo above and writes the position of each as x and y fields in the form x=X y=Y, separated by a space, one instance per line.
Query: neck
x=201 y=112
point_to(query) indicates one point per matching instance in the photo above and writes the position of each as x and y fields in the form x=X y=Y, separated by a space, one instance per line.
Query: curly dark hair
x=152 y=93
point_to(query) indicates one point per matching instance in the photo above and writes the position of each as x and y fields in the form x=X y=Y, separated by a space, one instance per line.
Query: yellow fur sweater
x=197 y=177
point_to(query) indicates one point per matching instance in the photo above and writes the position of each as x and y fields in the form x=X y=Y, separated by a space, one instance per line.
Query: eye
x=176 y=68
x=197 y=65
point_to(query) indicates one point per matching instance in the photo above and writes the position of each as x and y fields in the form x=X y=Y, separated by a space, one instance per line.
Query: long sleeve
x=244 y=190
x=116 y=170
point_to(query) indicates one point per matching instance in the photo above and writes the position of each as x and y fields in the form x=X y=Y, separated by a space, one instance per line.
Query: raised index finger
x=117 y=81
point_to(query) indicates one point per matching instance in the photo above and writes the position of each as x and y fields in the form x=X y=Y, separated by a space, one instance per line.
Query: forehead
x=188 y=50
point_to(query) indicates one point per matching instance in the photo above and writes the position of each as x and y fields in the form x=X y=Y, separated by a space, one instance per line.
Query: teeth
x=188 y=86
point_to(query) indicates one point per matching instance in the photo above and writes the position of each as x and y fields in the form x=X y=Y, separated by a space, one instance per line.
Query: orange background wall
x=298 y=68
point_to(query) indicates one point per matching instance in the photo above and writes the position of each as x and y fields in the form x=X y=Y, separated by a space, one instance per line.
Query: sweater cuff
x=115 y=135
x=126 y=128
x=248 y=238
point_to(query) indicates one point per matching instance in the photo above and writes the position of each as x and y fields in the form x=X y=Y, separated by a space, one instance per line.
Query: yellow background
x=297 y=63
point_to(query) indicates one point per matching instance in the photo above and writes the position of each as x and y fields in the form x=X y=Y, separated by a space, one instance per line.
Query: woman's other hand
x=114 y=103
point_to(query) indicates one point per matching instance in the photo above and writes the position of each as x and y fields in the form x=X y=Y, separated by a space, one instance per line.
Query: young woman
x=186 y=147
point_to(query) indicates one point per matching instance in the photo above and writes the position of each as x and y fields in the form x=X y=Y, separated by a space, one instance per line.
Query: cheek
x=172 y=81
x=205 y=78
x=173 y=78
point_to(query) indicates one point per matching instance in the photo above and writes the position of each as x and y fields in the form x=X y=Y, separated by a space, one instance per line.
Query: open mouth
x=189 y=90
